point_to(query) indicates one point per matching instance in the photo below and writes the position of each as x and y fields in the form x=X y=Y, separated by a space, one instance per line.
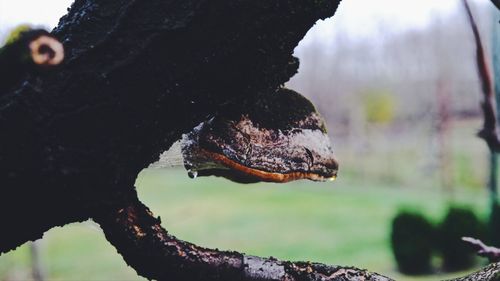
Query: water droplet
x=192 y=174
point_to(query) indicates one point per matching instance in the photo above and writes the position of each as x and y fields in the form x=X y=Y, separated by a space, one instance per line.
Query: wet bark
x=136 y=75
x=154 y=253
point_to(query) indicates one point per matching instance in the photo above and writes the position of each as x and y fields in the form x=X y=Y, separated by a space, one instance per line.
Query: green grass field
x=345 y=222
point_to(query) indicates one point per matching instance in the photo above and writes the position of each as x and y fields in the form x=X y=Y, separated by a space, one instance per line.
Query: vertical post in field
x=495 y=46
x=37 y=268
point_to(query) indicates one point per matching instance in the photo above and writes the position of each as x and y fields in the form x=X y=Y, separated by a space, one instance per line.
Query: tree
x=136 y=75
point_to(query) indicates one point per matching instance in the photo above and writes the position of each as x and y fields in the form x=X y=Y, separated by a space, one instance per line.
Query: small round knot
x=46 y=50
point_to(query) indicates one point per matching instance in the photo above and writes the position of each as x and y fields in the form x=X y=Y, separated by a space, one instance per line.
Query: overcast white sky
x=357 y=17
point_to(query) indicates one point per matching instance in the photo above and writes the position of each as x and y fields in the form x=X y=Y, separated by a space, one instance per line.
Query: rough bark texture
x=154 y=253
x=137 y=75
x=491 y=273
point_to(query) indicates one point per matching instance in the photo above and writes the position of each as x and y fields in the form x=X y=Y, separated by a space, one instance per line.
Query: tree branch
x=489 y=273
x=496 y=3
x=136 y=76
x=155 y=254
x=489 y=132
x=492 y=253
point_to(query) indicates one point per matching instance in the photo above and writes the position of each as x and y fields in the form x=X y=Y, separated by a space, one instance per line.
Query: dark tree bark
x=154 y=253
x=491 y=272
x=136 y=75
x=496 y=3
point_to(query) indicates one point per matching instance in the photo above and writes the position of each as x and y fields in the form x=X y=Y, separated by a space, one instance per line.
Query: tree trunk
x=137 y=75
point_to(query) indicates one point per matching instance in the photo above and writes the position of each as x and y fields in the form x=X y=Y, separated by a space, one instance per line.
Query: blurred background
x=396 y=81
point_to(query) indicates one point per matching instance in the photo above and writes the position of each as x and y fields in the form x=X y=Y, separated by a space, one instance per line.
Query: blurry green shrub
x=412 y=241
x=457 y=223
x=379 y=106
x=494 y=225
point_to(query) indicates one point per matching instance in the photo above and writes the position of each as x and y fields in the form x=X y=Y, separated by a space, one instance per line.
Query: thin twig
x=489 y=132
x=492 y=253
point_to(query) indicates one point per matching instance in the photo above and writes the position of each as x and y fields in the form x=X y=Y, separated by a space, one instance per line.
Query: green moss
x=16 y=33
